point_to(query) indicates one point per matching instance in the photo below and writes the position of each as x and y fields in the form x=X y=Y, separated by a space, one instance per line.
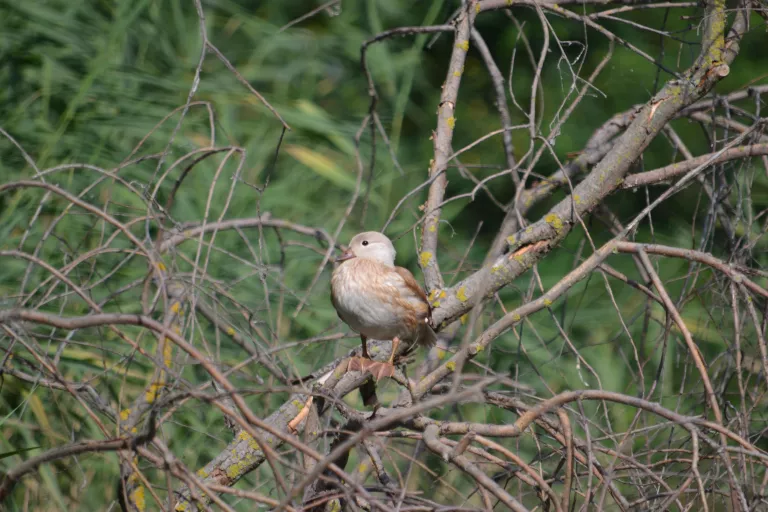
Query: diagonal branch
x=434 y=444
x=529 y=246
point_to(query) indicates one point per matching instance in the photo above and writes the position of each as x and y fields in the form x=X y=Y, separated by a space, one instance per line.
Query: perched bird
x=379 y=300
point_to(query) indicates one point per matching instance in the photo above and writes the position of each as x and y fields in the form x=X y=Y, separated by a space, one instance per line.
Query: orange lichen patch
x=527 y=248
x=654 y=106
x=303 y=413
x=719 y=69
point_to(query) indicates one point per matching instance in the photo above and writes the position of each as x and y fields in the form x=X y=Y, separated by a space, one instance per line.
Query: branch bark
x=527 y=247
x=442 y=137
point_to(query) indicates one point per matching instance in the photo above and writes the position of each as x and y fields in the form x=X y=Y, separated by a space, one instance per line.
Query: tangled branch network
x=589 y=358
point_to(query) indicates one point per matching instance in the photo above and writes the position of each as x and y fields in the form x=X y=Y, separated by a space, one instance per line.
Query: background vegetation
x=98 y=84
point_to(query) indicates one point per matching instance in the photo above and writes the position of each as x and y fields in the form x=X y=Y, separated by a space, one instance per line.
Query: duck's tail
x=427 y=336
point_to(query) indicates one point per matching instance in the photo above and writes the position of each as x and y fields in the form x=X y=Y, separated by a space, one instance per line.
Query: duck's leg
x=363 y=361
x=379 y=370
x=368 y=388
x=395 y=343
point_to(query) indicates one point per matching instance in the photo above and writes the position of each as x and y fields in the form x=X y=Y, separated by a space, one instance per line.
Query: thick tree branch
x=530 y=245
x=442 y=137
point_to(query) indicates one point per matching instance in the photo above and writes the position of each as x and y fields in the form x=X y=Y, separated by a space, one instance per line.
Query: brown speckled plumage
x=376 y=298
x=381 y=302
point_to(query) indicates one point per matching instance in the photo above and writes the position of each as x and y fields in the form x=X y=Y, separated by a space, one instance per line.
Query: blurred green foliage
x=85 y=81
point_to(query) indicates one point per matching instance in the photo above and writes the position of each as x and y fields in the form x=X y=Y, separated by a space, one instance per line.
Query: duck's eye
x=365 y=242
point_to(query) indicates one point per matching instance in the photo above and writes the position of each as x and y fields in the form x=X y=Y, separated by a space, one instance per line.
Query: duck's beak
x=347 y=255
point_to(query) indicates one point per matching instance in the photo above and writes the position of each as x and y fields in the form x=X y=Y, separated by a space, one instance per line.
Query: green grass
x=85 y=81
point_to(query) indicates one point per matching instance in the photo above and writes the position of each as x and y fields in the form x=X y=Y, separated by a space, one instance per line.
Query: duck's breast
x=365 y=294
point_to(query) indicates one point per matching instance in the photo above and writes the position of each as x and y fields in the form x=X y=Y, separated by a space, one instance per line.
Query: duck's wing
x=416 y=292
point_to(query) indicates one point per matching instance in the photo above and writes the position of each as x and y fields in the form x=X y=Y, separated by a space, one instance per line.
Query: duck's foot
x=377 y=369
